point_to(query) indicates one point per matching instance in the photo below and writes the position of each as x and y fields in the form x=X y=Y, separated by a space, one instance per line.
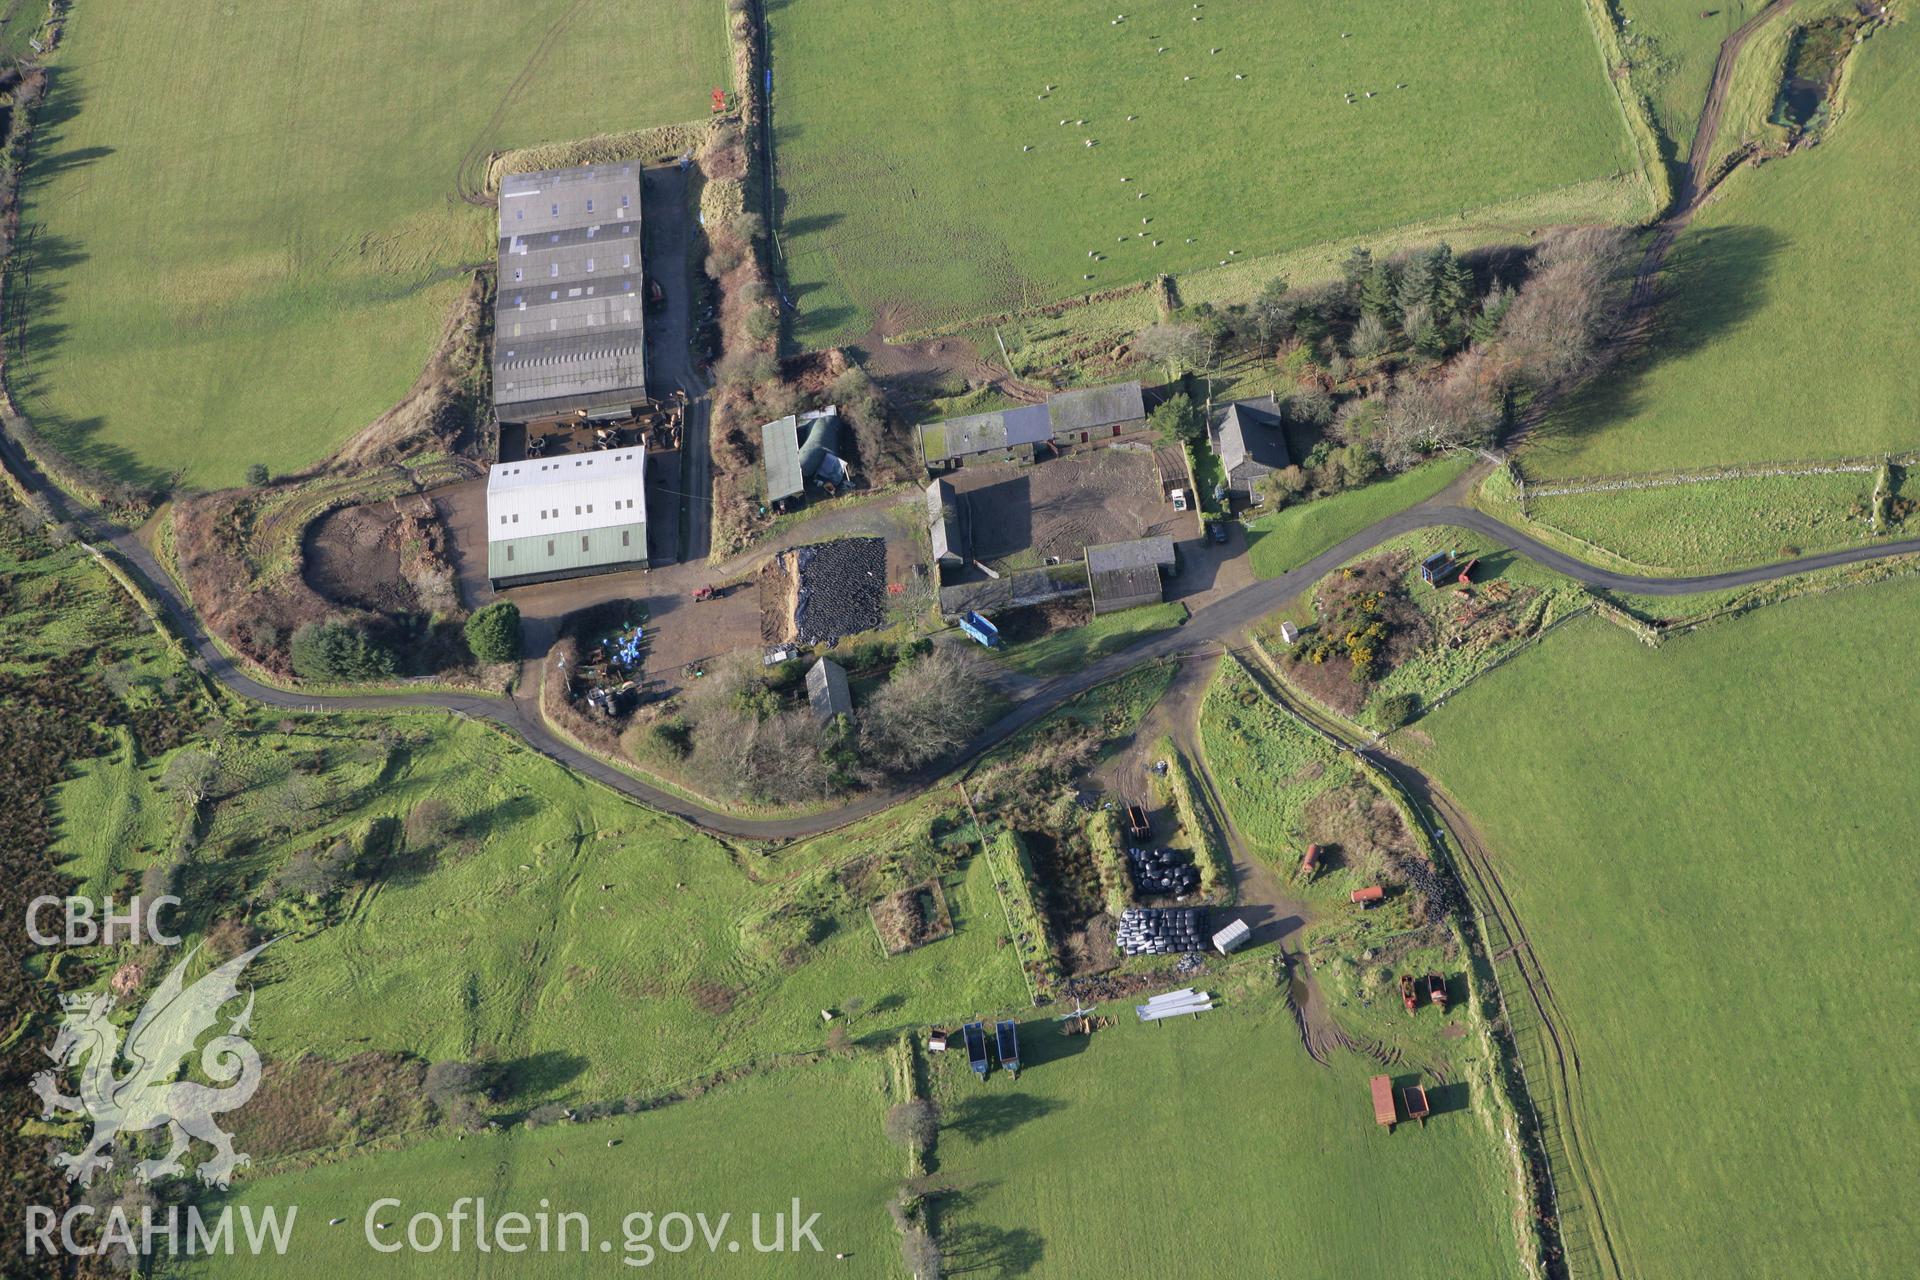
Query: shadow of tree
x=983 y=1118
x=1714 y=280
x=992 y=1250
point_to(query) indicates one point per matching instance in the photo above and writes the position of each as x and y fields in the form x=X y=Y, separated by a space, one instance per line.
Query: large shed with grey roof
x=569 y=333
x=1085 y=415
x=1125 y=575
x=1009 y=432
x=564 y=517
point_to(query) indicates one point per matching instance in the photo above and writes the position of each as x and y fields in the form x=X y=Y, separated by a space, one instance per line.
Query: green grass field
x=1075 y=648
x=811 y=1132
x=1282 y=542
x=245 y=232
x=556 y=918
x=1167 y=1150
x=1704 y=843
x=1718 y=524
x=1775 y=341
x=907 y=197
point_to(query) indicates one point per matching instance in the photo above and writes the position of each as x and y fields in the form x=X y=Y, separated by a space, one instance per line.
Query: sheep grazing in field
x=1399 y=86
x=1089 y=141
x=1189 y=239
x=1145 y=221
x=1133 y=117
x=1213 y=51
x=1088 y=276
x=1026 y=148
x=1369 y=93
x=1141 y=196
x=1161 y=49
x=1184 y=79
x=1238 y=76
x=1126 y=179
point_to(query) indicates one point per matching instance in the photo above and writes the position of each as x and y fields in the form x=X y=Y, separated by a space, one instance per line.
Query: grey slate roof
x=827 y=691
x=569 y=328
x=1155 y=552
x=1095 y=407
x=985 y=433
x=944 y=522
x=1250 y=431
x=1127 y=571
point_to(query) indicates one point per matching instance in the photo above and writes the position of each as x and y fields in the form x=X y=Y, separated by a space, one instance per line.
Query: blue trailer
x=980 y=629
x=1008 y=1037
x=976 y=1037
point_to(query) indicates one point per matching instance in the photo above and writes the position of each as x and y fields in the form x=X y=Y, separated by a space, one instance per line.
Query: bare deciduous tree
x=927 y=709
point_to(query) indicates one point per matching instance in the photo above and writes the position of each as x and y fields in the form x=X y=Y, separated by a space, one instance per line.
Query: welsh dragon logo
x=150 y=1093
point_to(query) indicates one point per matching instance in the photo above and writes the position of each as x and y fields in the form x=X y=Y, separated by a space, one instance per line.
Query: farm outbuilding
x=802 y=449
x=1125 y=575
x=827 y=691
x=1085 y=415
x=566 y=517
x=1251 y=441
x=569 y=332
x=1007 y=433
x=946 y=523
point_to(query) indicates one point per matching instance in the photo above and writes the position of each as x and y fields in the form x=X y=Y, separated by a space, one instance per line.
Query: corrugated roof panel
x=567 y=552
x=780 y=448
x=569 y=330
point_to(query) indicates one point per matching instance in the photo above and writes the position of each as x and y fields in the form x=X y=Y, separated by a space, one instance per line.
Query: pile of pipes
x=1174 y=1003
x=1156 y=931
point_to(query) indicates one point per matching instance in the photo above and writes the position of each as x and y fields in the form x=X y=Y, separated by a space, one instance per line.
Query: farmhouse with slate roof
x=1251 y=441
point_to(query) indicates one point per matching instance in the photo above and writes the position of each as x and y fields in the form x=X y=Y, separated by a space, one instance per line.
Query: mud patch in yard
x=387 y=558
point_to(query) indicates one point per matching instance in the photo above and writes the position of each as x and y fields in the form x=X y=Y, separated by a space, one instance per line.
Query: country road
x=1210 y=624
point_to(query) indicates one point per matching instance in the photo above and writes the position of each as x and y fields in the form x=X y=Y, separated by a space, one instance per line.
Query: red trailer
x=1310 y=861
x=1407 y=996
x=1383 y=1107
x=1436 y=989
x=1371 y=896
x=1415 y=1099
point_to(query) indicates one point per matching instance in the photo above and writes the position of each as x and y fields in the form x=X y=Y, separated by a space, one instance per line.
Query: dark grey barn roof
x=569 y=323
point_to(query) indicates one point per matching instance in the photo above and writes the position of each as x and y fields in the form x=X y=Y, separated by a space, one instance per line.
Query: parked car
x=1179 y=497
x=1217 y=530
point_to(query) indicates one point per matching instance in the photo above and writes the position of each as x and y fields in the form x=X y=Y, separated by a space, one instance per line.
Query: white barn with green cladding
x=568 y=516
